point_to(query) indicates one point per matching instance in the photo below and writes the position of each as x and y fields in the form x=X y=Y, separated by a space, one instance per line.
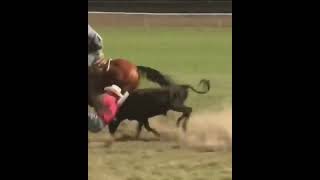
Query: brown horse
x=122 y=73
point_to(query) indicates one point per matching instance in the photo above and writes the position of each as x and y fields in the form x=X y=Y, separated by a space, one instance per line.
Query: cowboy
x=95 y=46
x=106 y=108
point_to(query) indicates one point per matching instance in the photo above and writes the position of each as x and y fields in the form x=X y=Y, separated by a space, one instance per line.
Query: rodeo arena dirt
x=204 y=151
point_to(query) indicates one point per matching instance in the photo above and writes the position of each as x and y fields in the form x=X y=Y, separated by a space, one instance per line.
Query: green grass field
x=187 y=55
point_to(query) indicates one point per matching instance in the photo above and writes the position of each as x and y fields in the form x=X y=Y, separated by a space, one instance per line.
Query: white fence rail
x=162 y=14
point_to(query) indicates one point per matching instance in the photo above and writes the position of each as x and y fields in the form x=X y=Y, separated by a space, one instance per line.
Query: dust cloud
x=206 y=131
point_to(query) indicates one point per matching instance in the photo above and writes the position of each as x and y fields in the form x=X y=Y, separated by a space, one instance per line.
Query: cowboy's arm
x=106 y=108
x=109 y=111
x=95 y=42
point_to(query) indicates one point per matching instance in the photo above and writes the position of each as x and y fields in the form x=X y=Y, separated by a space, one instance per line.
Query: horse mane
x=155 y=76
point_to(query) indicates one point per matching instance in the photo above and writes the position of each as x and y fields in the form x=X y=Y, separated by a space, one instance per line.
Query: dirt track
x=109 y=20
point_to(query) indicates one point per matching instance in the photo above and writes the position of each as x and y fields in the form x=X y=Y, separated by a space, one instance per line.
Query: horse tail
x=154 y=76
x=206 y=84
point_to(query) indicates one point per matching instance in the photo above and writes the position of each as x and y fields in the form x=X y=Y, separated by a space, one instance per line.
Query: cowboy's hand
x=101 y=54
x=123 y=99
x=101 y=60
x=101 y=57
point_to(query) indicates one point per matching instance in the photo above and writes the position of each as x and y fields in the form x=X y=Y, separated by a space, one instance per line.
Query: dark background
x=162 y=6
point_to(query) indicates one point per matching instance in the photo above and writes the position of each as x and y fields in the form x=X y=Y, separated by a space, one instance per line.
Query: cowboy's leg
x=95 y=124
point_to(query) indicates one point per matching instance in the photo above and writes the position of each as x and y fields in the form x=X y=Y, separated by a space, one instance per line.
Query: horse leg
x=139 y=127
x=147 y=126
x=186 y=112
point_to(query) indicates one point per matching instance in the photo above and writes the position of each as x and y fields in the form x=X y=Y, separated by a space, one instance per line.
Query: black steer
x=143 y=104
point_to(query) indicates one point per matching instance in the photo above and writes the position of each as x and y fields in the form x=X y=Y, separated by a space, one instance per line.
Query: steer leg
x=113 y=127
x=139 y=127
x=179 y=120
x=147 y=126
x=186 y=112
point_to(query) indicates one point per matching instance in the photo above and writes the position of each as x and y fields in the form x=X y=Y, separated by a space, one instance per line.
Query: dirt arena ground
x=204 y=152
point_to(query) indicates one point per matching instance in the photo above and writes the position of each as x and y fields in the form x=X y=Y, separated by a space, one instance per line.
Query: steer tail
x=154 y=76
x=206 y=85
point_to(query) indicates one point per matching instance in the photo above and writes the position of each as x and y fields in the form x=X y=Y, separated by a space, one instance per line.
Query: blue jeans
x=95 y=123
x=92 y=57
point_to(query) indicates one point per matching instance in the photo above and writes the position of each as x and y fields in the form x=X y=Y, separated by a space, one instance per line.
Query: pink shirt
x=110 y=108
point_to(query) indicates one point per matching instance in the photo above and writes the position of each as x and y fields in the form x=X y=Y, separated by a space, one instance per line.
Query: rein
x=103 y=62
x=109 y=61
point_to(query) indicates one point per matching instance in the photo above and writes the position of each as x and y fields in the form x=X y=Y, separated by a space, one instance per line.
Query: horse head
x=117 y=71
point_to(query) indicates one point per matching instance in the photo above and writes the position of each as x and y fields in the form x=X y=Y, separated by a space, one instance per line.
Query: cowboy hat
x=115 y=89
